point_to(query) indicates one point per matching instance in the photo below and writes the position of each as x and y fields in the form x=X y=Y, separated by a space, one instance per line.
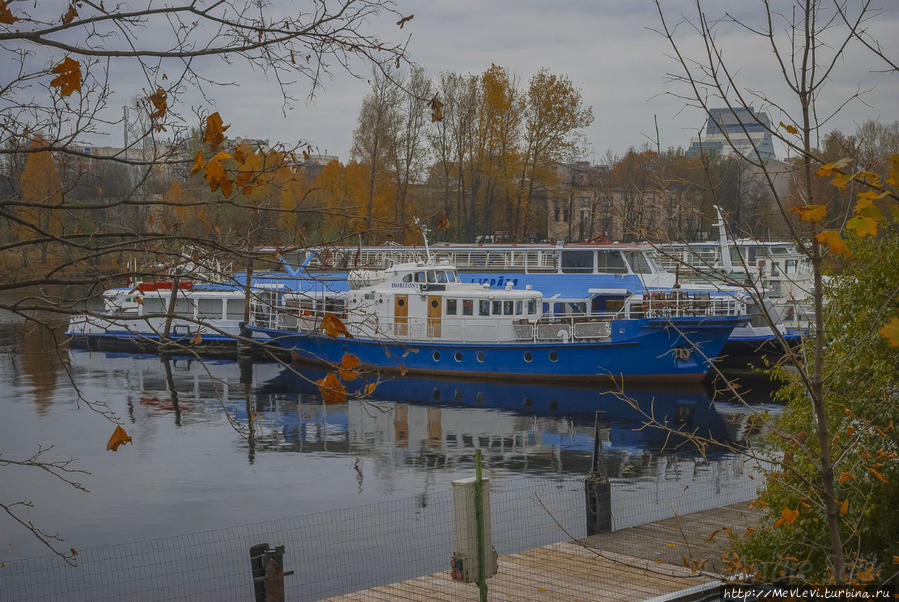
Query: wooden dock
x=638 y=563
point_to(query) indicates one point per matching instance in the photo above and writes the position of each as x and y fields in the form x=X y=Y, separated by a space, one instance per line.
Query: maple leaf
x=332 y=391
x=332 y=326
x=863 y=226
x=436 y=109
x=405 y=20
x=199 y=163
x=214 y=135
x=834 y=241
x=348 y=367
x=68 y=76
x=787 y=517
x=828 y=168
x=70 y=14
x=6 y=17
x=890 y=331
x=216 y=176
x=789 y=128
x=119 y=436
x=841 y=180
x=159 y=100
x=810 y=213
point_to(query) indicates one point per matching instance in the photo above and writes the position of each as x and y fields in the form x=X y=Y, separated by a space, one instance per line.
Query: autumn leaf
x=405 y=20
x=877 y=475
x=369 y=389
x=348 y=365
x=863 y=226
x=196 y=339
x=6 y=17
x=868 y=177
x=68 y=76
x=893 y=180
x=834 y=241
x=810 y=213
x=404 y=370
x=159 y=100
x=711 y=537
x=119 y=436
x=841 y=180
x=70 y=14
x=332 y=391
x=332 y=326
x=890 y=331
x=214 y=135
x=436 y=109
x=408 y=351
x=216 y=176
x=199 y=163
x=828 y=168
x=845 y=476
x=444 y=223
x=844 y=507
x=787 y=517
x=789 y=128
x=73 y=551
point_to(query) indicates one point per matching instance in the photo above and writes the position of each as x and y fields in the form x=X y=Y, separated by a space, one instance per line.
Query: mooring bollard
x=268 y=572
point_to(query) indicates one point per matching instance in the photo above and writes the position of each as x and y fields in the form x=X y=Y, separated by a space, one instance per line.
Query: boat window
x=577 y=261
x=532 y=306
x=209 y=309
x=774 y=267
x=507 y=308
x=451 y=307
x=778 y=251
x=518 y=306
x=790 y=266
x=610 y=262
x=545 y=308
x=407 y=278
x=154 y=305
x=234 y=309
x=452 y=276
x=638 y=263
x=441 y=276
x=483 y=308
x=467 y=307
x=184 y=307
x=431 y=277
x=497 y=308
x=419 y=276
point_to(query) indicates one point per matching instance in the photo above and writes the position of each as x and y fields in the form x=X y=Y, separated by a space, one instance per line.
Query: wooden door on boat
x=401 y=315
x=434 y=313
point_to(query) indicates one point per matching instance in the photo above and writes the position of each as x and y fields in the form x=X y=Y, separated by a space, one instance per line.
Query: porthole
x=553 y=356
x=457 y=395
x=528 y=402
x=436 y=356
x=434 y=303
x=401 y=302
x=436 y=394
x=457 y=356
x=553 y=404
x=528 y=356
x=480 y=356
x=479 y=397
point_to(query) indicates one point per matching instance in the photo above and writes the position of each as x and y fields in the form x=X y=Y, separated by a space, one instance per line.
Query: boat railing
x=478 y=259
x=680 y=304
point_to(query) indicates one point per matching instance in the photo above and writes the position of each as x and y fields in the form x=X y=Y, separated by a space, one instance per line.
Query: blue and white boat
x=421 y=318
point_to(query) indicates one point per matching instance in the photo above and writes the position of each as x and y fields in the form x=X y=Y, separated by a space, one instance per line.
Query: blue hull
x=640 y=350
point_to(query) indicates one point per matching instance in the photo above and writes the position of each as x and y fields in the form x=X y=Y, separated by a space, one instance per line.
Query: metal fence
x=347 y=550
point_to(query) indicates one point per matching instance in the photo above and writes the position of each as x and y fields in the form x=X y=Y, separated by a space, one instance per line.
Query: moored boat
x=421 y=318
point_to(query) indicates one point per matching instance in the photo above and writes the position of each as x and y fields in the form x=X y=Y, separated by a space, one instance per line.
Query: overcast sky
x=606 y=47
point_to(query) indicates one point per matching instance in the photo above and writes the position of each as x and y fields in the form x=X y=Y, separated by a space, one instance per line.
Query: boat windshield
x=638 y=262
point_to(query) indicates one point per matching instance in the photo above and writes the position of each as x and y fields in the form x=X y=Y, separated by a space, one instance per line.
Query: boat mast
x=724 y=250
x=424 y=234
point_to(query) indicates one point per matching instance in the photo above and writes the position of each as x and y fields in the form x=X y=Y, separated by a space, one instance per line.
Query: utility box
x=465 y=532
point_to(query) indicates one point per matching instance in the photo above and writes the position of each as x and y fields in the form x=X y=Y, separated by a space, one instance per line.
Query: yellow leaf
x=214 y=135
x=841 y=180
x=669 y=544
x=789 y=516
x=6 y=17
x=826 y=169
x=868 y=177
x=444 y=223
x=890 y=331
x=541 y=590
x=878 y=475
x=348 y=367
x=196 y=339
x=810 y=213
x=749 y=530
x=216 y=175
x=199 y=163
x=845 y=476
x=834 y=241
x=159 y=100
x=68 y=76
x=332 y=391
x=369 y=389
x=893 y=180
x=436 y=109
x=789 y=128
x=119 y=436
x=332 y=326
x=408 y=351
x=403 y=370
x=863 y=226
x=844 y=507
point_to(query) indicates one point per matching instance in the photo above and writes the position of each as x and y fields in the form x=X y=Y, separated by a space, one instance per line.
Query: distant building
x=738 y=130
x=314 y=165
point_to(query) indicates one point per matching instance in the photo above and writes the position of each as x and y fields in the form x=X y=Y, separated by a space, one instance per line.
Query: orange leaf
x=403 y=370
x=214 y=135
x=6 y=17
x=215 y=174
x=712 y=536
x=405 y=20
x=845 y=476
x=832 y=239
x=332 y=391
x=160 y=103
x=70 y=14
x=332 y=326
x=68 y=76
x=436 y=109
x=119 y=436
x=408 y=351
x=890 y=331
x=878 y=475
x=369 y=389
x=444 y=223
x=844 y=507
x=810 y=213
x=789 y=516
x=348 y=365
x=199 y=163
x=789 y=128
x=841 y=180
x=196 y=339
x=828 y=168
x=749 y=530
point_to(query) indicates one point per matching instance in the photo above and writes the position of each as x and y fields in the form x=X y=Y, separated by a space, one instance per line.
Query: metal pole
x=479 y=517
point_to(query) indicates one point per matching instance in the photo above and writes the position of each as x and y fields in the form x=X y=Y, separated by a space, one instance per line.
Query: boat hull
x=640 y=350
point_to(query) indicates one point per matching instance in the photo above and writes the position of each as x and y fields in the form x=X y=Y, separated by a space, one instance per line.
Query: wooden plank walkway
x=631 y=564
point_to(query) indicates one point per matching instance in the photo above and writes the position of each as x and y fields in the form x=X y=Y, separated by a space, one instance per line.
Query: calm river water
x=190 y=470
